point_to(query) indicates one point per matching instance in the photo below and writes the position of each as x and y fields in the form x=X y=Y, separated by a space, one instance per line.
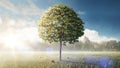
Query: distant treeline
x=85 y=45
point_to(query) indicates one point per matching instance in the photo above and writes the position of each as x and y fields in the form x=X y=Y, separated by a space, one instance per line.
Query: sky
x=19 y=19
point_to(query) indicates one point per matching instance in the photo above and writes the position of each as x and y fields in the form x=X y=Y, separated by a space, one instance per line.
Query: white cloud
x=31 y=9
x=7 y=5
x=95 y=37
x=81 y=12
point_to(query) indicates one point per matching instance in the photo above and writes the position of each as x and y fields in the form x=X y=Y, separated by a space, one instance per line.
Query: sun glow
x=11 y=41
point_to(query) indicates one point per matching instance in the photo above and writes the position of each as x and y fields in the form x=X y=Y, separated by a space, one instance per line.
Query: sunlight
x=14 y=43
x=11 y=41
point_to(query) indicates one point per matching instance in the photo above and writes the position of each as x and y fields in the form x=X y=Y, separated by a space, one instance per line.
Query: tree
x=60 y=24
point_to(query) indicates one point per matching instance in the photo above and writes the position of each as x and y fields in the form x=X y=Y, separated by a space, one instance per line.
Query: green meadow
x=51 y=60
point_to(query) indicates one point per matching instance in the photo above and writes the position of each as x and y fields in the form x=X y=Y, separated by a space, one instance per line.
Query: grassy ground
x=51 y=60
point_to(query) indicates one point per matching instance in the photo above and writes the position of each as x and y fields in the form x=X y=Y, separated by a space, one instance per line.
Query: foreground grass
x=50 y=60
x=47 y=65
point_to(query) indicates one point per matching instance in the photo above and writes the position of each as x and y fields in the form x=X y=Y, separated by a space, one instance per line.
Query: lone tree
x=60 y=24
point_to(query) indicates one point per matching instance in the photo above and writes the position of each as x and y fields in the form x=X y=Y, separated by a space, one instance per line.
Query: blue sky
x=101 y=16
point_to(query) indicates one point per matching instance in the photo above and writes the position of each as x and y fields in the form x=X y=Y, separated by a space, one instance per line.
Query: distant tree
x=119 y=46
x=111 y=45
x=60 y=24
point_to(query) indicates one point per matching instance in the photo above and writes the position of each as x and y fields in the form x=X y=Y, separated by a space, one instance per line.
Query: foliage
x=60 y=23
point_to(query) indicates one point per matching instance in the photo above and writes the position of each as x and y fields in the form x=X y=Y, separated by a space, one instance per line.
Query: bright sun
x=11 y=41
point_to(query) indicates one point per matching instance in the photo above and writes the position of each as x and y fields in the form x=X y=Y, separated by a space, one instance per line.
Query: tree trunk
x=60 y=56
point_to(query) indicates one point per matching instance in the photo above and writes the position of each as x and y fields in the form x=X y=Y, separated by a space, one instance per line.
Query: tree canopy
x=60 y=22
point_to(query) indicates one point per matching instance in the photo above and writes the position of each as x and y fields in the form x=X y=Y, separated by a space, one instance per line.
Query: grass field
x=51 y=60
